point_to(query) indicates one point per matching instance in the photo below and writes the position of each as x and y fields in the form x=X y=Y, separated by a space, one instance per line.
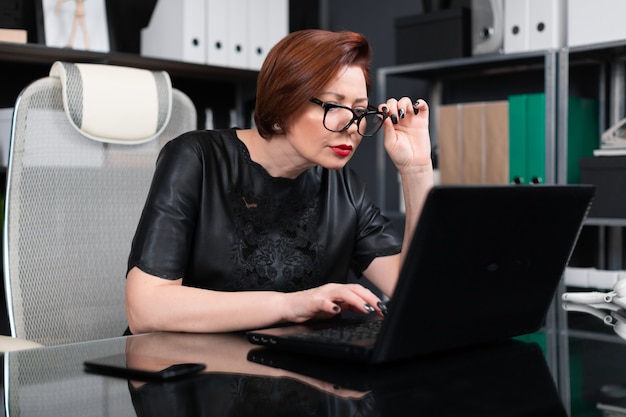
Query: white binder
x=516 y=36
x=233 y=33
x=258 y=34
x=278 y=21
x=238 y=27
x=547 y=24
x=176 y=31
x=217 y=32
x=268 y=23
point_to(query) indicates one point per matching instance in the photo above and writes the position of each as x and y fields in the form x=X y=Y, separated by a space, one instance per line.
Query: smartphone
x=117 y=366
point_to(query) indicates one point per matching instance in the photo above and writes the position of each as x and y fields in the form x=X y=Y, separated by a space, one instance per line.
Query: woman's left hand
x=406 y=135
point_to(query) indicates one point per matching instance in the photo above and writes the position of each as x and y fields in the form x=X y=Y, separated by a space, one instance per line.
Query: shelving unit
x=220 y=88
x=598 y=69
x=594 y=71
x=495 y=77
x=478 y=78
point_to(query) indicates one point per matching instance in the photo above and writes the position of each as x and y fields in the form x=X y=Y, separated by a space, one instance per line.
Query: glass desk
x=510 y=379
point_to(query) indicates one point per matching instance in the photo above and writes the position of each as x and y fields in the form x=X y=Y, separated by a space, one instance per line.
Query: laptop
x=483 y=266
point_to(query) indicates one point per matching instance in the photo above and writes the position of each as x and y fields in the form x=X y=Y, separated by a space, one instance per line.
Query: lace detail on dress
x=276 y=243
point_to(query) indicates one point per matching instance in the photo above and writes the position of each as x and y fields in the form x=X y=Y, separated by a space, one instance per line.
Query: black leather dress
x=220 y=221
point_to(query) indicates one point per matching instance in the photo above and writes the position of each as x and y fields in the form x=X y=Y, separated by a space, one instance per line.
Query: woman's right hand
x=328 y=300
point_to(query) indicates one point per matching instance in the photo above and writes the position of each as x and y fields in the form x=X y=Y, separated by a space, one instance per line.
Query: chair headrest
x=114 y=104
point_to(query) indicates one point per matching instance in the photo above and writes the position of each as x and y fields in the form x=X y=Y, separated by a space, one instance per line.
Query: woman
x=244 y=229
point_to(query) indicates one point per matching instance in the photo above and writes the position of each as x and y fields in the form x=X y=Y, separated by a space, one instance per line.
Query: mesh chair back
x=72 y=207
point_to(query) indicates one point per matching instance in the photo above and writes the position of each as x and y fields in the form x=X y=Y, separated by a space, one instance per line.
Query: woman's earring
x=276 y=126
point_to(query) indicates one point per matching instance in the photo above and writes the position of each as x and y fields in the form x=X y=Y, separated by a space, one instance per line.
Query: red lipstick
x=342 y=150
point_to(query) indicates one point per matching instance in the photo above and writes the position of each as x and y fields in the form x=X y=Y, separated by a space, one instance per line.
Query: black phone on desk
x=120 y=366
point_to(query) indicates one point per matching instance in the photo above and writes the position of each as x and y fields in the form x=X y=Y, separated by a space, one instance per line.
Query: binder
x=217 y=46
x=518 y=154
x=238 y=18
x=547 y=24
x=532 y=25
x=449 y=145
x=527 y=136
x=473 y=143
x=582 y=134
x=496 y=142
x=536 y=139
x=268 y=23
x=516 y=18
x=258 y=33
x=234 y=33
x=278 y=21
x=176 y=31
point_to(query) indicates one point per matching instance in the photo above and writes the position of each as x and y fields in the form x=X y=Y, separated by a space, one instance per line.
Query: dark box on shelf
x=608 y=174
x=434 y=36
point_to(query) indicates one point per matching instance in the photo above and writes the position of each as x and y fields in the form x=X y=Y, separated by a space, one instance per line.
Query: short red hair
x=299 y=67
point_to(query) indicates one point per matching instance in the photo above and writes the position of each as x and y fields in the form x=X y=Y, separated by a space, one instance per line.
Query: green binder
x=527 y=136
x=536 y=139
x=518 y=131
x=583 y=134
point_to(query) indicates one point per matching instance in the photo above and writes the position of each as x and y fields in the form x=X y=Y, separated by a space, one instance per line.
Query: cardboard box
x=608 y=174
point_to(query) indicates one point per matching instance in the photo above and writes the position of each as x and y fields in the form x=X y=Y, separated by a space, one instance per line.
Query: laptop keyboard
x=345 y=333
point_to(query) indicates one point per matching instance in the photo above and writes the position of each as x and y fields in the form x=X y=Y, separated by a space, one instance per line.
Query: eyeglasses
x=338 y=118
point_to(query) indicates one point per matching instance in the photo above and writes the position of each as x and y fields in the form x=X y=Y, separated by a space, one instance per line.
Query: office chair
x=83 y=147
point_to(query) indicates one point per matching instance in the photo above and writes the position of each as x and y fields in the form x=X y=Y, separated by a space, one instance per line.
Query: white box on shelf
x=597 y=21
x=176 y=31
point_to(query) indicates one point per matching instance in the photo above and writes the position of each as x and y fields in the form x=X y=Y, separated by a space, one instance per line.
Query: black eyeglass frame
x=356 y=117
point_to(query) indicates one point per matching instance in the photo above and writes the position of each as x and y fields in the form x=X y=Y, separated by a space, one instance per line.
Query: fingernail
x=369 y=308
x=385 y=109
x=382 y=307
x=401 y=112
x=416 y=111
x=394 y=119
x=336 y=308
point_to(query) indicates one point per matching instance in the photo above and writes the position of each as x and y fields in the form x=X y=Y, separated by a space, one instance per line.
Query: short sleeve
x=376 y=234
x=165 y=232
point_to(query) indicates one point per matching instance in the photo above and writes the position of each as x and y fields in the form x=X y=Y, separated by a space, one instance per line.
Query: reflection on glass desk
x=509 y=379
